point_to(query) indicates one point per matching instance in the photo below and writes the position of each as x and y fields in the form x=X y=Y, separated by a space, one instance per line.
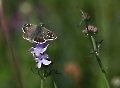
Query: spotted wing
x=47 y=34
x=29 y=32
x=44 y=35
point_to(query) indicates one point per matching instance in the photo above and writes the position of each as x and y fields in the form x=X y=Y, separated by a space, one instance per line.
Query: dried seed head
x=91 y=29
x=85 y=16
x=84 y=31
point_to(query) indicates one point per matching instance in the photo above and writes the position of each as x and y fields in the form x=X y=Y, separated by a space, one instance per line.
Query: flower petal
x=39 y=48
x=46 y=62
x=39 y=64
x=44 y=56
x=43 y=61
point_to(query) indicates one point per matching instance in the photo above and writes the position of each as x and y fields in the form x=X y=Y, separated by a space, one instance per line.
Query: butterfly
x=37 y=33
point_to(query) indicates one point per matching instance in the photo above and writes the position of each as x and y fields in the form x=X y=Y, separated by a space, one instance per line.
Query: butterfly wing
x=29 y=32
x=37 y=34
x=44 y=35
x=47 y=34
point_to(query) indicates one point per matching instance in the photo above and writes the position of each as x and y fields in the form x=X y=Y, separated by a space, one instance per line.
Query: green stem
x=42 y=78
x=55 y=86
x=96 y=54
x=103 y=70
x=41 y=86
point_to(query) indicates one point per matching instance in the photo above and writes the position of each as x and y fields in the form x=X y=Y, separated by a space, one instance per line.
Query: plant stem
x=55 y=86
x=41 y=83
x=96 y=54
x=103 y=70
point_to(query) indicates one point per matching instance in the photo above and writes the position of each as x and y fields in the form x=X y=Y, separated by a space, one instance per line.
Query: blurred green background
x=70 y=51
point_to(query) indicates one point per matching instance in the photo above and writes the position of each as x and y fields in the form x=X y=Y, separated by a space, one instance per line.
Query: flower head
x=38 y=53
x=91 y=29
x=39 y=48
x=42 y=59
x=85 y=16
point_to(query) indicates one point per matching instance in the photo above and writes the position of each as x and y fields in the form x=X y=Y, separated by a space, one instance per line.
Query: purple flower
x=38 y=53
x=42 y=59
x=39 y=48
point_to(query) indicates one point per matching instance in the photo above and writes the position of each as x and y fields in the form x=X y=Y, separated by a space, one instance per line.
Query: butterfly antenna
x=48 y=22
x=39 y=21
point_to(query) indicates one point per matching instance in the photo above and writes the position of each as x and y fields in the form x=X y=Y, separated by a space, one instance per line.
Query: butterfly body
x=37 y=33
